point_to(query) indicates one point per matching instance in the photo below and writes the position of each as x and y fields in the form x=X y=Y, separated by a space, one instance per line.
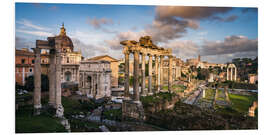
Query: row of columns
x=158 y=74
x=54 y=82
x=230 y=75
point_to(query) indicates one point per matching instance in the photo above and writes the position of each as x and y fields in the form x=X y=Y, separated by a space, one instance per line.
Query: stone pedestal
x=132 y=110
x=59 y=111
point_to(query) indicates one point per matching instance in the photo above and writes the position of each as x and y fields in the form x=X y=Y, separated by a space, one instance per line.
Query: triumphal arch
x=132 y=107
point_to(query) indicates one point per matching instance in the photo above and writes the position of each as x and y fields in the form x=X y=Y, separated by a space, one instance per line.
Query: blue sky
x=218 y=34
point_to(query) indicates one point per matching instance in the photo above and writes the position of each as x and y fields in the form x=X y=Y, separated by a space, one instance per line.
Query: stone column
x=231 y=77
x=59 y=107
x=235 y=74
x=150 y=75
x=227 y=73
x=126 y=92
x=161 y=72
x=156 y=73
x=170 y=79
x=143 y=76
x=52 y=79
x=136 y=92
x=37 y=82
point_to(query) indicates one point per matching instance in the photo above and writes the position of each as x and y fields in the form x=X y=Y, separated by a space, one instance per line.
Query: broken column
x=37 y=82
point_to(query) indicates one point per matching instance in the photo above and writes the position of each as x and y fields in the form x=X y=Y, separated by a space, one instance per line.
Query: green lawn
x=241 y=103
x=44 y=123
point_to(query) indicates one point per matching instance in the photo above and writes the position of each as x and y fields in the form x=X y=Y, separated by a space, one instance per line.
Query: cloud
x=194 y=13
x=163 y=30
x=89 y=50
x=223 y=58
x=97 y=23
x=231 y=44
x=129 y=35
x=35 y=33
x=28 y=24
x=23 y=43
x=184 y=49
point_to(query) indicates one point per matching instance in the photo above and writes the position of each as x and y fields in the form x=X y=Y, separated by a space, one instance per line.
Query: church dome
x=66 y=45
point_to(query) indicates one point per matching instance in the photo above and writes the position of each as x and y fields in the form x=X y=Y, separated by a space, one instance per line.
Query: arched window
x=67 y=76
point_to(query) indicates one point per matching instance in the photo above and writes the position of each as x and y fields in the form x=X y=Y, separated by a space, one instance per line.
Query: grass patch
x=241 y=103
x=44 y=123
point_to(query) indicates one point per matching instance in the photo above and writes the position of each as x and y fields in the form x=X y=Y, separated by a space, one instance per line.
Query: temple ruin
x=231 y=72
x=132 y=107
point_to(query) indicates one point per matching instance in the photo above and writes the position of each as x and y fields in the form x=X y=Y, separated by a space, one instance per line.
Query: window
x=23 y=60
x=30 y=70
x=33 y=61
x=67 y=59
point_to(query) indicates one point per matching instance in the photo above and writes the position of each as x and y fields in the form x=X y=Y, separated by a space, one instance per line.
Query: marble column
x=161 y=72
x=52 y=79
x=143 y=76
x=170 y=80
x=156 y=73
x=37 y=82
x=235 y=74
x=126 y=92
x=150 y=75
x=231 y=77
x=136 y=92
x=227 y=73
x=59 y=107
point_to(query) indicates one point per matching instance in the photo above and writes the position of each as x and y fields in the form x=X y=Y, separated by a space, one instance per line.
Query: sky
x=218 y=34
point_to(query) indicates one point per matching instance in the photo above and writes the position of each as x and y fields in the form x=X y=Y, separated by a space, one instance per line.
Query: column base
x=37 y=109
x=59 y=111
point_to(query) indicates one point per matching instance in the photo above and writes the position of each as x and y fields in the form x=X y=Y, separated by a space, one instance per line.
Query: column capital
x=161 y=56
x=150 y=55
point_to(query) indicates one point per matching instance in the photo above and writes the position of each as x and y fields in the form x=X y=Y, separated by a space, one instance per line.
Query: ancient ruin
x=231 y=72
x=132 y=107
